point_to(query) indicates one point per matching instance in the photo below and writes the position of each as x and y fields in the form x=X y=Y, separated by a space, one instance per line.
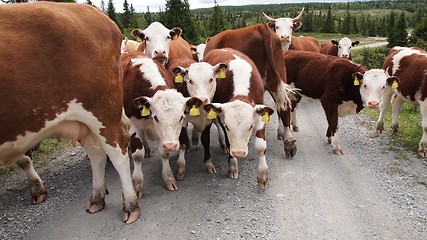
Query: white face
x=284 y=29
x=157 y=39
x=200 y=50
x=201 y=80
x=372 y=87
x=167 y=111
x=344 y=47
x=239 y=119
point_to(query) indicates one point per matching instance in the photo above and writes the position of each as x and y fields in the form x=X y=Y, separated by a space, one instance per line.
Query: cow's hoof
x=290 y=148
x=131 y=214
x=210 y=166
x=38 y=192
x=95 y=207
x=395 y=129
x=296 y=129
x=262 y=181
x=138 y=185
x=180 y=173
x=38 y=199
x=422 y=151
x=233 y=174
x=224 y=148
x=195 y=141
x=380 y=127
x=279 y=137
x=171 y=186
x=338 y=152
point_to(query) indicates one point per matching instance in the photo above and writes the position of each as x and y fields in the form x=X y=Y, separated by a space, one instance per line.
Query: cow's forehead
x=200 y=70
x=238 y=112
x=344 y=42
x=157 y=29
x=375 y=76
x=167 y=101
x=284 y=23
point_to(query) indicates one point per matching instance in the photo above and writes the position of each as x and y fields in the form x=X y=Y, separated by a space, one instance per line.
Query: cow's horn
x=299 y=15
x=268 y=18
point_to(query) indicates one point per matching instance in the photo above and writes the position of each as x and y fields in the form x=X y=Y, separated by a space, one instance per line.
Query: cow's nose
x=169 y=147
x=344 y=55
x=162 y=52
x=373 y=104
x=284 y=37
x=239 y=154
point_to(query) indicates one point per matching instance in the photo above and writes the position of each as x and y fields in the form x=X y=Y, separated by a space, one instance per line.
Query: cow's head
x=372 y=85
x=167 y=109
x=239 y=120
x=344 y=46
x=156 y=38
x=284 y=27
x=200 y=79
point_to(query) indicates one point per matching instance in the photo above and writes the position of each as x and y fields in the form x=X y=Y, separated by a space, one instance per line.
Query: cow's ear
x=213 y=110
x=355 y=43
x=143 y=104
x=175 y=33
x=334 y=42
x=357 y=78
x=264 y=112
x=179 y=73
x=193 y=49
x=220 y=69
x=193 y=106
x=393 y=81
x=296 y=25
x=138 y=34
x=272 y=25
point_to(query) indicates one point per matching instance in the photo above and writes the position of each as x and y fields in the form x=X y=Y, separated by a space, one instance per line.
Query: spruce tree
x=391 y=30
x=148 y=17
x=346 y=26
x=419 y=35
x=328 y=26
x=401 y=32
x=126 y=16
x=217 y=22
x=177 y=14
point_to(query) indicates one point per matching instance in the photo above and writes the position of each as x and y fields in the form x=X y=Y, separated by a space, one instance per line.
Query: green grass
x=41 y=155
x=409 y=124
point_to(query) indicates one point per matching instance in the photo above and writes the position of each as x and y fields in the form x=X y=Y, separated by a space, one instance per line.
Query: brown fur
x=305 y=44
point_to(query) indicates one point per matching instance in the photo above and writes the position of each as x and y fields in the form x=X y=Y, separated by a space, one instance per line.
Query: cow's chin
x=161 y=60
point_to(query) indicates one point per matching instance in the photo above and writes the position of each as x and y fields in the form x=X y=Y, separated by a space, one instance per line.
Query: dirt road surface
x=374 y=191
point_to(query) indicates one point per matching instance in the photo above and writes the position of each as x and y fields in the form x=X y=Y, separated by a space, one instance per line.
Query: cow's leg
x=207 y=158
x=221 y=136
x=137 y=149
x=288 y=140
x=167 y=175
x=331 y=112
x=38 y=191
x=233 y=169
x=147 y=148
x=422 y=150
x=260 y=146
x=194 y=137
x=397 y=104
x=383 y=108
x=294 y=120
x=184 y=143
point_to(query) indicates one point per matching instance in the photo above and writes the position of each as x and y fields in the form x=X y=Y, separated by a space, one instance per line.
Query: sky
x=141 y=5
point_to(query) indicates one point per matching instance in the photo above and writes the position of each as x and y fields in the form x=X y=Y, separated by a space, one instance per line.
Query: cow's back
x=47 y=62
x=260 y=44
x=329 y=49
x=305 y=44
x=179 y=48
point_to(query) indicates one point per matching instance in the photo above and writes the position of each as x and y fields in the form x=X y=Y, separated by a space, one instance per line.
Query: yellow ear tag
x=175 y=37
x=394 y=85
x=265 y=118
x=193 y=51
x=356 y=82
x=221 y=74
x=211 y=114
x=194 y=111
x=145 y=111
x=179 y=78
x=138 y=39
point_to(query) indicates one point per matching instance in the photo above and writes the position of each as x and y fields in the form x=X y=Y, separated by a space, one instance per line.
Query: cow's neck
x=242 y=98
x=285 y=46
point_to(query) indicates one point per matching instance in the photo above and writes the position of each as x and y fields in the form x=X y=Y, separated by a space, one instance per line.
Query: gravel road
x=374 y=191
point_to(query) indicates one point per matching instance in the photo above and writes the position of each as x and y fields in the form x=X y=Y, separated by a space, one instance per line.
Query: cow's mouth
x=161 y=60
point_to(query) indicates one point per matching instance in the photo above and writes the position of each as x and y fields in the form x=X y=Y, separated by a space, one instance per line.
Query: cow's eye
x=226 y=128
x=383 y=87
x=211 y=80
x=365 y=86
x=250 y=128
x=180 y=120
x=276 y=27
x=146 y=38
x=190 y=81
x=156 y=119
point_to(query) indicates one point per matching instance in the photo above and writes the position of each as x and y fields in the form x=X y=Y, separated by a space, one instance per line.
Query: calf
x=129 y=45
x=238 y=102
x=343 y=87
x=341 y=48
x=68 y=94
x=161 y=43
x=154 y=107
x=262 y=46
x=198 y=52
x=410 y=66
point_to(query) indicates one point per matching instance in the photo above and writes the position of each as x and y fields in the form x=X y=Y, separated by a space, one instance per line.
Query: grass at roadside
x=409 y=124
x=41 y=155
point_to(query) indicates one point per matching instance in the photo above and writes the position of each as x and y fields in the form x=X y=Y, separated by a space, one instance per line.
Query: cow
x=341 y=48
x=161 y=43
x=51 y=91
x=238 y=102
x=410 y=66
x=343 y=87
x=262 y=46
x=198 y=79
x=284 y=27
x=305 y=44
x=129 y=45
x=198 y=51
x=156 y=108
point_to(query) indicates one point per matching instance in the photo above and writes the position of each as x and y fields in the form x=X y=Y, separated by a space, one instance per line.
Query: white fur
x=404 y=52
x=158 y=39
x=344 y=47
x=150 y=71
x=200 y=51
x=242 y=72
x=203 y=82
x=373 y=86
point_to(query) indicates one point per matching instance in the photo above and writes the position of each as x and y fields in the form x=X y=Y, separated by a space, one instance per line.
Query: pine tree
x=401 y=32
x=391 y=30
x=111 y=12
x=126 y=16
x=217 y=22
x=148 y=17
x=89 y=2
x=102 y=5
x=346 y=26
x=328 y=26
x=419 y=35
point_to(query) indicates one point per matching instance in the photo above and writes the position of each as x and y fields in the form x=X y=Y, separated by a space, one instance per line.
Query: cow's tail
x=283 y=91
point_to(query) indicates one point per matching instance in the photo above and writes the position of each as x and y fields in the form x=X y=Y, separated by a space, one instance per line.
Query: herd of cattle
x=72 y=76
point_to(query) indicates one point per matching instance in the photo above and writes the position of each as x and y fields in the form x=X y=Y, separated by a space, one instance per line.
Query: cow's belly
x=407 y=99
x=73 y=124
x=347 y=108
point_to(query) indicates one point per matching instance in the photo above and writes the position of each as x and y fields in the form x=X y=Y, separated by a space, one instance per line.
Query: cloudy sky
x=141 y=5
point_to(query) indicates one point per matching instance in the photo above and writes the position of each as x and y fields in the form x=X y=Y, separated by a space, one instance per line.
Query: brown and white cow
x=68 y=94
x=129 y=45
x=262 y=46
x=198 y=79
x=198 y=51
x=343 y=87
x=410 y=66
x=161 y=43
x=238 y=102
x=154 y=107
x=284 y=27
x=305 y=44
x=341 y=48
